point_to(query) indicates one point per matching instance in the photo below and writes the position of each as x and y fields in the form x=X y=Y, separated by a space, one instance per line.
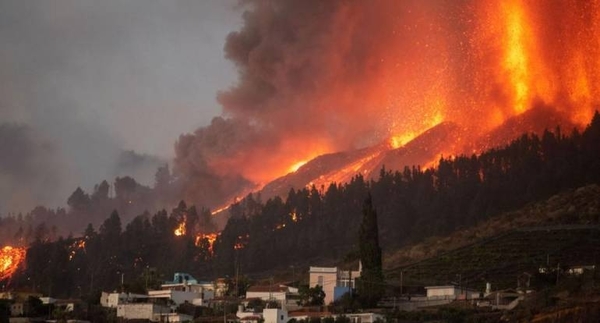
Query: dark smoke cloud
x=97 y=78
x=308 y=84
x=26 y=162
x=321 y=76
x=136 y=165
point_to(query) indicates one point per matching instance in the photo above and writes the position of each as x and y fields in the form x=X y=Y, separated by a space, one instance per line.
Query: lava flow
x=10 y=259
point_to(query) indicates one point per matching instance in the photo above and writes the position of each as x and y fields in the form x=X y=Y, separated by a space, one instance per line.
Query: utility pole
x=401 y=281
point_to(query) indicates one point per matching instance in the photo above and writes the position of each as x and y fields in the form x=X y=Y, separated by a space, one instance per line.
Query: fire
x=210 y=237
x=76 y=246
x=362 y=74
x=294 y=216
x=219 y=210
x=10 y=259
x=242 y=242
x=546 y=51
x=516 y=60
x=180 y=230
x=297 y=165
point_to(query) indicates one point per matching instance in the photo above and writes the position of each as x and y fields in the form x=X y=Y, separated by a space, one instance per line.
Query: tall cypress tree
x=370 y=286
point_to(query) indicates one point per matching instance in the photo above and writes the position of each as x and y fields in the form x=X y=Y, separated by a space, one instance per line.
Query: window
x=320 y=281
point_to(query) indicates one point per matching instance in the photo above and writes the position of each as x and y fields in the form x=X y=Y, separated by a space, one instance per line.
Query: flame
x=294 y=216
x=180 y=230
x=76 y=246
x=393 y=71
x=10 y=259
x=516 y=60
x=297 y=165
x=242 y=242
x=219 y=210
x=211 y=237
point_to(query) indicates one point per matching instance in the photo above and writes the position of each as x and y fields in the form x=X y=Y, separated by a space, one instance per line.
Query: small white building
x=335 y=282
x=280 y=293
x=113 y=300
x=275 y=315
x=178 y=297
x=450 y=292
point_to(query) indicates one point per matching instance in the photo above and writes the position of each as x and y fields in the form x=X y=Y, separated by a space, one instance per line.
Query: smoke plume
x=320 y=76
x=27 y=162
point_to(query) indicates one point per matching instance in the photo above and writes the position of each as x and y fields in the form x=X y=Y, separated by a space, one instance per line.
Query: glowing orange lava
x=297 y=165
x=10 y=259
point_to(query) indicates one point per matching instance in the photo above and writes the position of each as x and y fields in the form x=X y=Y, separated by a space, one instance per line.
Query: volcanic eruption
x=318 y=77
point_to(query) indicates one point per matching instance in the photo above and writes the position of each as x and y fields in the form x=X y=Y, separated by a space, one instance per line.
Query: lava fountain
x=320 y=77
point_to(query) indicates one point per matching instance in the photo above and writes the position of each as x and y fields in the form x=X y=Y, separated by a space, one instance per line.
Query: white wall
x=443 y=291
x=275 y=315
x=266 y=296
x=328 y=281
x=178 y=297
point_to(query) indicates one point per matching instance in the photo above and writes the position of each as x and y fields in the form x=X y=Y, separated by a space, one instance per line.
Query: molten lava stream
x=10 y=259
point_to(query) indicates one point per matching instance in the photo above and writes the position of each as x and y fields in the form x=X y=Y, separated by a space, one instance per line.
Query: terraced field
x=503 y=259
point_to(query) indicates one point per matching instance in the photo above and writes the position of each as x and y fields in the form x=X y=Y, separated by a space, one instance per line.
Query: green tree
x=311 y=296
x=370 y=285
x=79 y=200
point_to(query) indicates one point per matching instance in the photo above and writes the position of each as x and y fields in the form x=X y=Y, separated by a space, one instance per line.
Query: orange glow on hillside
x=10 y=259
x=399 y=140
x=297 y=165
x=388 y=73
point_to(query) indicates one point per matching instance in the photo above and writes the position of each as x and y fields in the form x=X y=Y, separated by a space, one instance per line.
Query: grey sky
x=93 y=78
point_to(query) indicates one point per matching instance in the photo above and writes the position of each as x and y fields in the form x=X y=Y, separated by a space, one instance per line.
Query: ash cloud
x=30 y=168
x=322 y=76
x=310 y=79
x=97 y=78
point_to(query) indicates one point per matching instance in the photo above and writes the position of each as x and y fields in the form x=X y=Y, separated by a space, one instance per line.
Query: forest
x=310 y=226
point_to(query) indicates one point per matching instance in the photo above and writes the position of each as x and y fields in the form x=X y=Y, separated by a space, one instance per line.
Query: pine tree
x=370 y=286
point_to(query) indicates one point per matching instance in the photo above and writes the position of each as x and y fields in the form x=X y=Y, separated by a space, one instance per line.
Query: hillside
x=562 y=230
x=581 y=205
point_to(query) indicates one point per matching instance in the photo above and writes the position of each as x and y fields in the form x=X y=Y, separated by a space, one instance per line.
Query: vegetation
x=311 y=296
x=509 y=259
x=310 y=225
x=370 y=285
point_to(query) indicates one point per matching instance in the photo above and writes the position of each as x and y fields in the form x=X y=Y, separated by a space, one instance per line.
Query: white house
x=185 y=288
x=282 y=294
x=451 y=292
x=178 y=297
x=335 y=282
x=275 y=315
x=112 y=300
